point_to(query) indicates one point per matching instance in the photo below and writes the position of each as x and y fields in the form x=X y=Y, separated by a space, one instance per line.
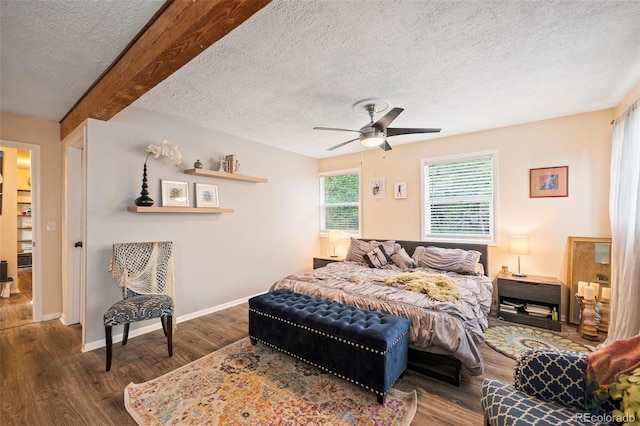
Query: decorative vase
x=144 y=200
x=197 y=164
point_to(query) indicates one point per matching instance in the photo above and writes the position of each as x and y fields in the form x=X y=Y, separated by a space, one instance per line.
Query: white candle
x=606 y=293
x=596 y=289
x=588 y=293
x=581 y=286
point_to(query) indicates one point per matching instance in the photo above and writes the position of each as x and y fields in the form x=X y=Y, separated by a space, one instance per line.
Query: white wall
x=219 y=258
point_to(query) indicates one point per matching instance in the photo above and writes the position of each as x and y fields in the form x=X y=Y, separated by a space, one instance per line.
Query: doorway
x=19 y=234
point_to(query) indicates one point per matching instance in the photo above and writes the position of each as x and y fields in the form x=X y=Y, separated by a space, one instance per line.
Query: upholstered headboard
x=410 y=246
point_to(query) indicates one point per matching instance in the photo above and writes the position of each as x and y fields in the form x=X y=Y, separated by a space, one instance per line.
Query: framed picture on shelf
x=549 y=182
x=206 y=195
x=175 y=194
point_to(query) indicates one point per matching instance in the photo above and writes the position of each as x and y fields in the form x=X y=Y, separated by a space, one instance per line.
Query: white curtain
x=624 y=210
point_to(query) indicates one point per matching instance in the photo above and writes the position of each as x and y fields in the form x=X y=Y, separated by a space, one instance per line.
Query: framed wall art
x=175 y=194
x=376 y=188
x=400 y=190
x=207 y=195
x=549 y=182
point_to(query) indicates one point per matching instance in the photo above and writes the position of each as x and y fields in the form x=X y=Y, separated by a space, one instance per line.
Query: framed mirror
x=589 y=261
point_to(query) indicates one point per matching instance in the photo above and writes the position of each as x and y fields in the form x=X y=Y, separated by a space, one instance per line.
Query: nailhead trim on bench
x=322 y=333
x=326 y=369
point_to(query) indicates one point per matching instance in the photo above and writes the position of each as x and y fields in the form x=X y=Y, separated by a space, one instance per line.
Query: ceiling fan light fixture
x=375 y=133
x=373 y=138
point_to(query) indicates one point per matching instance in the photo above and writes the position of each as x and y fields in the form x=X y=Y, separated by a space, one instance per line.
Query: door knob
x=78 y=244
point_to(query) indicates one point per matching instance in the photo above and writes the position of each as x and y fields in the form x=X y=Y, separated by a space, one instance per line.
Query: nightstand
x=320 y=261
x=515 y=293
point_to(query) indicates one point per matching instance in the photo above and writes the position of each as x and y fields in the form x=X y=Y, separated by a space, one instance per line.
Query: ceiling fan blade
x=405 y=131
x=384 y=122
x=385 y=146
x=341 y=144
x=335 y=128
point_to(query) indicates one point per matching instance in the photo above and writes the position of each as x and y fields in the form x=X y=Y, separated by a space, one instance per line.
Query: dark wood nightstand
x=518 y=292
x=320 y=261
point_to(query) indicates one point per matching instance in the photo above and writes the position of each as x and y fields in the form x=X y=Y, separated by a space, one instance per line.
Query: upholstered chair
x=548 y=389
x=144 y=271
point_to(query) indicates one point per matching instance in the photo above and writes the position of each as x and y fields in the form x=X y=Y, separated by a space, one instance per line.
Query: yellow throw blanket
x=438 y=286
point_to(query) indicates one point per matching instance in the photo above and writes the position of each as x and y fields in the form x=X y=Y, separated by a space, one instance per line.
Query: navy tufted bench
x=365 y=347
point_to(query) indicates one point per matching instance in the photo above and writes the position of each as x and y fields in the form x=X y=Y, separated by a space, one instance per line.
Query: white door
x=73 y=251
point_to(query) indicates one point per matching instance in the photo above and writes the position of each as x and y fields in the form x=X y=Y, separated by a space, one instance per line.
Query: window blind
x=459 y=198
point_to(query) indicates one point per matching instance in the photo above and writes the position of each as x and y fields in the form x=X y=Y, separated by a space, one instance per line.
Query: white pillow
x=377 y=258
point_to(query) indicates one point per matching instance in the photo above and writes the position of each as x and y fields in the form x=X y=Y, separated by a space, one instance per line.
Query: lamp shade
x=334 y=236
x=519 y=245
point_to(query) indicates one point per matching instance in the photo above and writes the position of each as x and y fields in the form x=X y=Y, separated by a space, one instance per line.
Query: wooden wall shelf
x=203 y=210
x=223 y=175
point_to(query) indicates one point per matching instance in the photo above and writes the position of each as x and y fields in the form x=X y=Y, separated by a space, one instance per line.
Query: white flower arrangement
x=165 y=149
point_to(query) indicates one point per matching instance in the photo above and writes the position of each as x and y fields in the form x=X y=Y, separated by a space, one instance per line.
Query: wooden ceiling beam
x=178 y=33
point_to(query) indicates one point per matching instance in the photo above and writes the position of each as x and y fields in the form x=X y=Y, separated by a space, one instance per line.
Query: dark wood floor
x=16 y=310
x=46 y=380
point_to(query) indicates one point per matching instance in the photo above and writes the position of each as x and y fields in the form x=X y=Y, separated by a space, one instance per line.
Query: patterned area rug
x=512 y=340
x=243 y=384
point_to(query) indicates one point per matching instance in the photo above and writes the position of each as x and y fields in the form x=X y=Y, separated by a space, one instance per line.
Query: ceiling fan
x=376 y=134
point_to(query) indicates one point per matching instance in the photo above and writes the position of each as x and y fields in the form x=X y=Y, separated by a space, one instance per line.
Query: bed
x=445 y=334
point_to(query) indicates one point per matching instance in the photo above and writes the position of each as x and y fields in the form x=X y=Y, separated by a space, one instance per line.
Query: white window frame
x=425 y=218
x=351 y=233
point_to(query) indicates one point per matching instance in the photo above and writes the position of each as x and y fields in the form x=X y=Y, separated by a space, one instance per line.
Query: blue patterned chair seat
x=141 y=267
x=139 y=308
x=505 y=405
x=548 y=390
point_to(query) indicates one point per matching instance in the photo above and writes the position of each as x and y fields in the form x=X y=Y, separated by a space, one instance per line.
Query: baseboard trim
x=97 y=344
x=49 y=317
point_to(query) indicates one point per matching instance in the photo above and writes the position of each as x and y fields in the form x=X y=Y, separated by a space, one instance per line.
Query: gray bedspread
x=447 y=328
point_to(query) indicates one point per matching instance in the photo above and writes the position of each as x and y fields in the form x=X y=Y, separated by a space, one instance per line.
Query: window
x=459 y=197
x=340 y=201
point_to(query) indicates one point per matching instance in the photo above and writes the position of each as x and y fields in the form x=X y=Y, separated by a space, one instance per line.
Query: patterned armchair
x=548 y=389
x=145 y=273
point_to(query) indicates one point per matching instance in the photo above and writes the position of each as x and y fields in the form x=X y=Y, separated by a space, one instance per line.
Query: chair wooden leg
x=125 y=334
x=169 y=320
x=107 y=332
x=163 y=320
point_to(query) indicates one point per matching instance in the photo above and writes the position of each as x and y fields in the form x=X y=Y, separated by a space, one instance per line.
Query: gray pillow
x=450 y=260
x=402 y=259
x=359 y=248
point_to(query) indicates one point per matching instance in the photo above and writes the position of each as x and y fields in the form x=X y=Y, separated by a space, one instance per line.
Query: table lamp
x=334 y=237
x=519 y=245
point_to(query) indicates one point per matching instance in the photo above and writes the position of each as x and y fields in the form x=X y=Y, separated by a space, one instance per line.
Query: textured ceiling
x=52 y=51
x=459 y=65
